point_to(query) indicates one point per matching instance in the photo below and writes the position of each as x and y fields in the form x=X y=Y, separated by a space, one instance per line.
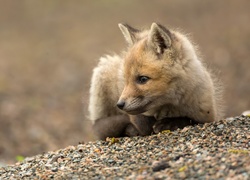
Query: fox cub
x=158 y=83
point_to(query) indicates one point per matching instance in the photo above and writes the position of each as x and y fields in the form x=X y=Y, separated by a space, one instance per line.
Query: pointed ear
x=129 y=33
x=159 y=38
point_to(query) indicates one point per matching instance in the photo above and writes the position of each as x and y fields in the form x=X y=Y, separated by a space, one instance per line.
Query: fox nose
x=120 y=104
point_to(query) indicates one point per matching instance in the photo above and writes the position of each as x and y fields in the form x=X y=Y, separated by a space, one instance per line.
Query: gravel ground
x=219 y=150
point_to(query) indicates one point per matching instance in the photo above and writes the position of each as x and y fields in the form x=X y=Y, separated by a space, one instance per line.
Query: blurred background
x=49 y=48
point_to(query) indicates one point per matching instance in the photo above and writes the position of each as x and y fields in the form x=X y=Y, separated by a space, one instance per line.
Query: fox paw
x=160 y=126
x=131 y=131
x=172 y=124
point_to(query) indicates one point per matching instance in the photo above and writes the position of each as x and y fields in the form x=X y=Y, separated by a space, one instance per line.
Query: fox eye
x=142 y=79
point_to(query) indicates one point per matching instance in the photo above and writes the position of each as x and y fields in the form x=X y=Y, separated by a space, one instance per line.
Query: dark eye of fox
x=142 y=79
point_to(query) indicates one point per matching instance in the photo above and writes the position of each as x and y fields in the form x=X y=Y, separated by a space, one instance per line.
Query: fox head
x=151 y=69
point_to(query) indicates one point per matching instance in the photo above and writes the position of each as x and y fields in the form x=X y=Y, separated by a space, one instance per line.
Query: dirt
x=49 y=48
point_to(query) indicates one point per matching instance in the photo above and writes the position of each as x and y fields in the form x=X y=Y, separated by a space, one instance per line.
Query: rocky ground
x=219 y=150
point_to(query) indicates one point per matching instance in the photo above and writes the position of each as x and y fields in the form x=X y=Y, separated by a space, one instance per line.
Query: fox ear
x=159 y=38
x=129 y=33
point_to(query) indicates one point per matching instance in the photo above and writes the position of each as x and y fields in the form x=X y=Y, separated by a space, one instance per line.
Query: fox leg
x=114 y=126
x=144 y=124
x=131 y=131
x=172 y=123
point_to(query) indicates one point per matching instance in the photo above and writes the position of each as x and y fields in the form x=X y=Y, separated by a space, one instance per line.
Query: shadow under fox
x=158 y=83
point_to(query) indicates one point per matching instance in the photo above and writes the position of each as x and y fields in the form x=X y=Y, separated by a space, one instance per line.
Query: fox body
x=157 y=83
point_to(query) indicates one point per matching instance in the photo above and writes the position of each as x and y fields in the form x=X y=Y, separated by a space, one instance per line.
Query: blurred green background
x=49 y=48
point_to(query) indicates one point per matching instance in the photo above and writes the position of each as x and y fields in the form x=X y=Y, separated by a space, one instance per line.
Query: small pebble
x=220 y=126
x=160 y=165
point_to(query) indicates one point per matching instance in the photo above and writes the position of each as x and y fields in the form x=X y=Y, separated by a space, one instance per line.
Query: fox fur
x=158 y=82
